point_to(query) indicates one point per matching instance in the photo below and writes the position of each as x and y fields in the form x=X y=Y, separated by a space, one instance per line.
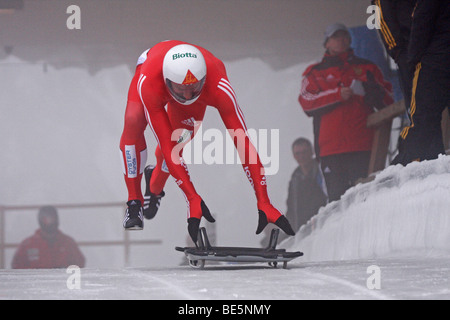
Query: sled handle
x=273 y=239
x=200 y=243
x=205 y=241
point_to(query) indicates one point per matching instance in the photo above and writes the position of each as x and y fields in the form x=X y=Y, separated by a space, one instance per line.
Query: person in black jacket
x=429 y=52
x=395 y=30
x=307 y=190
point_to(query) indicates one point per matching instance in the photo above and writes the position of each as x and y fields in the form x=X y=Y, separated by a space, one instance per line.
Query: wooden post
x=381 y=121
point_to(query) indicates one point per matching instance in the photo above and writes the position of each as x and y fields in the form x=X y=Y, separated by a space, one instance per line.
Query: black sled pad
x=205 y=252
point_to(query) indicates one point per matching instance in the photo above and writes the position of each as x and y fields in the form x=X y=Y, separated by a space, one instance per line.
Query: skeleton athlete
x=173 y=84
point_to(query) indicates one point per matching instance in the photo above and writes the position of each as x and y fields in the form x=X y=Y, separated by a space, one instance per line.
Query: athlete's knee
x=158 y=153
x=135 y=119
x=134 y=122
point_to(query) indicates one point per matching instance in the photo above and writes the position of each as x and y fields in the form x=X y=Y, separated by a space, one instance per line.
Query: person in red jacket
x=48 y=247
x=340 y=92
x=173 y=84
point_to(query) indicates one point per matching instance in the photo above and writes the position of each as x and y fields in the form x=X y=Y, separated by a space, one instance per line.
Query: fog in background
x=63 y=96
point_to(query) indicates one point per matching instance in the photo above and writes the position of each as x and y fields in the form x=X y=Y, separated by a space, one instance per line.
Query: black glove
x=194 y=223
x=282 y=222
x=374 y=92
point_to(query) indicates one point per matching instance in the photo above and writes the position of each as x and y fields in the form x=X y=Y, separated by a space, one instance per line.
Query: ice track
x=400 y=278
x=402 y=217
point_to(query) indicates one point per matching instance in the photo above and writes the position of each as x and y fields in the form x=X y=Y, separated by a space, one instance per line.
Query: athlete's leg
x=183 y=120
x=132 y=143
x=160 y=173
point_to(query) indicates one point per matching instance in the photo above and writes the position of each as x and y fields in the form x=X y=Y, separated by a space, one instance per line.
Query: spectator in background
x=307 y=190
x=340 y=92
x=429 y=52
x=48 y=247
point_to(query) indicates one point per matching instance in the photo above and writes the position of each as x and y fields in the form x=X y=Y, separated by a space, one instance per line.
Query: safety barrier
x=125 y=240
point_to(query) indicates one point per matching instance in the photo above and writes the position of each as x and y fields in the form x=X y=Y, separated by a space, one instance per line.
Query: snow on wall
x=403 y=210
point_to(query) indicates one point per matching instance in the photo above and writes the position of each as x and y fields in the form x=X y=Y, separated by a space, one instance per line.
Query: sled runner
x=205 y=252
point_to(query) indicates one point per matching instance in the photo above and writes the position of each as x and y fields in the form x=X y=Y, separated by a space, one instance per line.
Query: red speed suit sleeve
x=234 y=121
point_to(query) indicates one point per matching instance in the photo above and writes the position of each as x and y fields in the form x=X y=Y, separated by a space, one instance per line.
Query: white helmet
x=184 y=72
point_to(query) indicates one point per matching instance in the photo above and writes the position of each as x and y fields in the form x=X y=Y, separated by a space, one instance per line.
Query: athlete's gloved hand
x=197 y=210
x=268 y=213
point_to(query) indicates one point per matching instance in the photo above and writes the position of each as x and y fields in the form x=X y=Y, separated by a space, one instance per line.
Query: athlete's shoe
x=134 y=219
x=151 y=200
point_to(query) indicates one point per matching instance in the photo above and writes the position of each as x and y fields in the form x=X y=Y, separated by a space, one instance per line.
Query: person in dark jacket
x=429 y=52
x=307 y=190
x=395 y=30
x=340 y=93
x=48 y=247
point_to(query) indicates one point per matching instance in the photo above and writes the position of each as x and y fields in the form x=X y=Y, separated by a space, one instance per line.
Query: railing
x=126 y=242
x=381 y=121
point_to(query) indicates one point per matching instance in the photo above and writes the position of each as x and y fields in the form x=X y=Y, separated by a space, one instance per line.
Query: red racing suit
x=339 y=125
x=148 y=95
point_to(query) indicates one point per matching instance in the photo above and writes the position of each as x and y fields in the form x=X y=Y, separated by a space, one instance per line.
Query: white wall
x=281 y=32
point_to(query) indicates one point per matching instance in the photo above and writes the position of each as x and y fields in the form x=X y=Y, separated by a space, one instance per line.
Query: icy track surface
x=386 y=239
x=404 y=278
